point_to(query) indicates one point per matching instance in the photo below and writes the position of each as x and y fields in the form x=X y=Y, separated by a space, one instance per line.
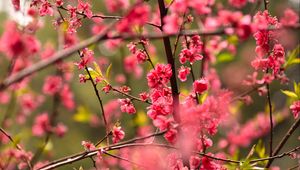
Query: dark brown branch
x=284 y=140
x=171 y=61
x=277 y=156
x=271 y=119
x=106 y=17
x=129 y=143
x=130 y=96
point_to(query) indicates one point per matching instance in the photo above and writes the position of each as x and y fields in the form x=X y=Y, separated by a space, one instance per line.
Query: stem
x=130 y=96
x=170 y=59
x=106 y=17
x=16 y=145
x=148 y=56
x=284 y=140
x=271 y=120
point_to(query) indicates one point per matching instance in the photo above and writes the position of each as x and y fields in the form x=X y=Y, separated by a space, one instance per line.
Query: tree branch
x=171 y=61
x=284 y=140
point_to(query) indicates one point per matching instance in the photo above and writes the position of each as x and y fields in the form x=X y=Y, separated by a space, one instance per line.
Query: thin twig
x=106 y=17
x=284 y=140
x=130 y=96
x=123 y=159
x=16 y=145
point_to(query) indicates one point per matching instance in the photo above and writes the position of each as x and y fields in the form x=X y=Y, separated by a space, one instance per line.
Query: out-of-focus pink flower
x=60 y=130
x=172 y=23
x=290 y=18
x=16 y=4
x=67 y=97
x=194 y=162
x=52 y=85
x=116 y=5
x=41 y=125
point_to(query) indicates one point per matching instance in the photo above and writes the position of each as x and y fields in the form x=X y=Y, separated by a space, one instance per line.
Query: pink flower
x=85 y=8
x=161 y=122
x=86 y=57
x=116 y=5
x=46 y=9
x=190 y=55
x=200 y=85
x=290 y=18
x=16 y=4
x=141 y=56
x=295 y=108
x=118 y=134
x=59 y=2
x=60 y=130
x=88 y=146
x=67 y=97
x=144 y=96
x=238 y=3
x=159 y=76
x=41 y=125
x=127 y=106
x=194 y=162
x=131 y=66
x=171 y=136
x=183 y=72
x=52 y=85
x=72 y=11
x=172 y=23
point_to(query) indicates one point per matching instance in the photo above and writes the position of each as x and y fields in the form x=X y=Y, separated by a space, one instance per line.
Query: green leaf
x=140 y=119
x=97 y=68
x=290 y=94
x=168 y=2
x=297 y=89
x=108 y=70
x=224 y=57
x=93 y=73
x=233 y=39
x=260 y=149
x=83 y=114
x=293 y=57
x=203 y=97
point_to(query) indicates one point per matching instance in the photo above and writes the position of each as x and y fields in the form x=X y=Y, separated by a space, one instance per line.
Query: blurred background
x=83 y=121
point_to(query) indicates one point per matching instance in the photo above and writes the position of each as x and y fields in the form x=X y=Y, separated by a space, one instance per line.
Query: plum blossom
x=127 y=106
x=159 y=76
x=118 y=134
x=295 y=108
x=52 y=85
x=200 y=85
x=183 y=72
x=41 y=125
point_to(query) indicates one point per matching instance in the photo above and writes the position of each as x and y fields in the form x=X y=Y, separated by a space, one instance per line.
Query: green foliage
x=294 y=95
x=224 y=57
x=293 y=57
x=82 y=115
